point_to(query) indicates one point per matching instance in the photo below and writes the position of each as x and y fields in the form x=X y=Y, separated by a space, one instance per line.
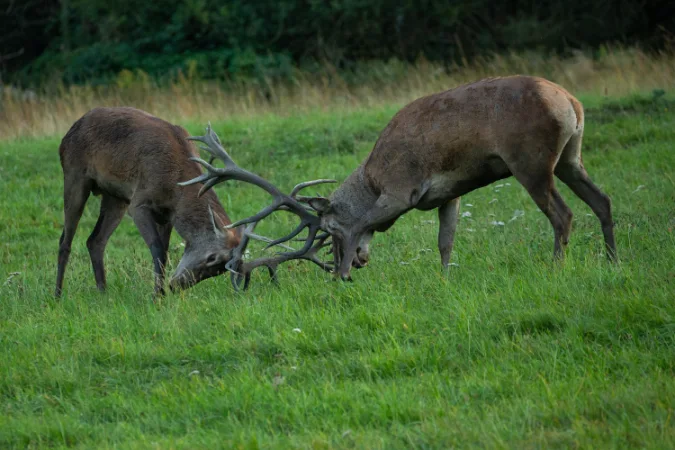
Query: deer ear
x=319 y=204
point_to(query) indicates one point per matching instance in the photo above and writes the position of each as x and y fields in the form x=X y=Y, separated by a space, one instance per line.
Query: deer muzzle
x=182 y=281
x=187 y=278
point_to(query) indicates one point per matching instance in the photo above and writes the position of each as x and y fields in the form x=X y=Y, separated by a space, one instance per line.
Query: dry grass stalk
x=615 y=72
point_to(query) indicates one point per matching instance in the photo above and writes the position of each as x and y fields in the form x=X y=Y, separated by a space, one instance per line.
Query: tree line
x=77 y=41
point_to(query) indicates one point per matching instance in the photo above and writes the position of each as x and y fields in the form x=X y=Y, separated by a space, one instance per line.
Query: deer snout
x=193 y=270
x=182 y=281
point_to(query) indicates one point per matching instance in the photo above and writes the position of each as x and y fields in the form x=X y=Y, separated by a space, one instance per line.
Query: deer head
x=344 y=216
x=206 y=255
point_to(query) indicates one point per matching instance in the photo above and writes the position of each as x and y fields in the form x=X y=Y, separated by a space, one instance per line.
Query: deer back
x=468 y=132
x=140 y=158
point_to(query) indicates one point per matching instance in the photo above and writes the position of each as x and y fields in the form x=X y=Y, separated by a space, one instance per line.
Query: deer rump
x=434 y=150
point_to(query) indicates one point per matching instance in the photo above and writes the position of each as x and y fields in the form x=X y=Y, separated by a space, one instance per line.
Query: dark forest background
x=77 y=41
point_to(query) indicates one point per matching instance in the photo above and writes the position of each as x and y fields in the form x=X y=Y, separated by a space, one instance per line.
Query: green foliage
x=508 y=350
x=91 y=40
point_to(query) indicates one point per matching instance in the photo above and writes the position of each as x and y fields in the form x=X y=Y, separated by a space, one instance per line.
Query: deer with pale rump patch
x=134 y=161
x=433 y=151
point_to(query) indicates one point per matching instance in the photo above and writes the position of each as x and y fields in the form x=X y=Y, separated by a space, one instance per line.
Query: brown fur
x=135 y=160
x=445 y=145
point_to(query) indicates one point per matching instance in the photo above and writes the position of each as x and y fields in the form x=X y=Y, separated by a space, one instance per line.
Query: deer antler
x=240 y=270
x=281 y=201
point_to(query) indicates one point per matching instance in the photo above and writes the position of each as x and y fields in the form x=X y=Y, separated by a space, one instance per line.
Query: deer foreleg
x=148 y=228
x=447 y=218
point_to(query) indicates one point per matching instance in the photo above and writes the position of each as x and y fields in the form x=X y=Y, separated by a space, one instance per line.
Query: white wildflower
x=9 y=278
x=466 y=214
x=517 y=213
x=297 y=330
x=497 y=223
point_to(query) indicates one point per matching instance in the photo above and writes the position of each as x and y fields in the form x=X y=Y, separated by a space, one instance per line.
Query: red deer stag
x=432 y=152
x=134 y=161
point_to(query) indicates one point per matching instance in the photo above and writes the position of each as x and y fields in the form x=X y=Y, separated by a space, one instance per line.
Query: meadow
x=507 y=350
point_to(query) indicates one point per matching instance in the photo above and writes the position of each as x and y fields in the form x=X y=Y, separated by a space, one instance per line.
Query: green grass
x=508 y=351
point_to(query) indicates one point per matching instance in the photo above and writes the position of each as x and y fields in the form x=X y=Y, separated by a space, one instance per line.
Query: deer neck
x=192 y=219
x=355 y=195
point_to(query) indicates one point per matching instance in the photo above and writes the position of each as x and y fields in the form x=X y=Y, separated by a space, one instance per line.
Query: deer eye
x=211 y=259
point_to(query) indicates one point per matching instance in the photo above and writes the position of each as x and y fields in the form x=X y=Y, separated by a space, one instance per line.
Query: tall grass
x=51 y=112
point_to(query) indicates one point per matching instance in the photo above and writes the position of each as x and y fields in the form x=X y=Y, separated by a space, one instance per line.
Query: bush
x=85 y=40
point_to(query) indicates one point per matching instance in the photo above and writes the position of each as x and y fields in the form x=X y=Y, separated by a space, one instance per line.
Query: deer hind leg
x=565 y=212
x=559 y=214
x=542 y=189
x=112 y=212
x=75 y=194
x=147 y=226
x=571 y=171
x=447 y=218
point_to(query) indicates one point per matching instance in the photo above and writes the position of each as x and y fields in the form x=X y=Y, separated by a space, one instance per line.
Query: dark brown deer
x=432 y=152
x=135 y=161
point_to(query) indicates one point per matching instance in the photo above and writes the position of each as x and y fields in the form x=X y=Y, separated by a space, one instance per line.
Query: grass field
x=506 y=351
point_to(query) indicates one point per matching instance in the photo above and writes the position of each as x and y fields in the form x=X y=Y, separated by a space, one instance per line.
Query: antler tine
x=257 y=217
x=232 y=171
x=213 y=146
x=317 y=237
x=298 y=187
x=294 y=233
x=216 y=229
x=259 y=237
x=244 y=270
x=240 y=269
x=308 y=244
x=311 y=255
